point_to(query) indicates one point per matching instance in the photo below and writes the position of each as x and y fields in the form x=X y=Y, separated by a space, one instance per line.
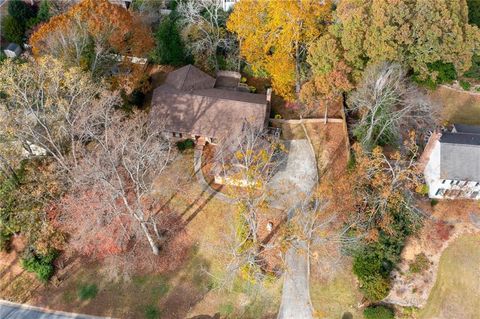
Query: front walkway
x=197 y=166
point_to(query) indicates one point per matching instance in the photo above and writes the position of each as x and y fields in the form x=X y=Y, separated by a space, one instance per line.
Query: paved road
x=9 y=310
x=295 y=183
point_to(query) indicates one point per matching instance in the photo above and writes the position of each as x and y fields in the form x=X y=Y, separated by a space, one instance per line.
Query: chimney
x=269 y=95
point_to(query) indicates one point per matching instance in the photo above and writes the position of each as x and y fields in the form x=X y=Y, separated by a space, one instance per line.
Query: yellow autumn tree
x=90 y=32
x=274 y=37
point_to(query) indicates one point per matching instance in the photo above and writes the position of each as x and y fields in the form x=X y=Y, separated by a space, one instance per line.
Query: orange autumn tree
x=89 y=33
x=275 y=35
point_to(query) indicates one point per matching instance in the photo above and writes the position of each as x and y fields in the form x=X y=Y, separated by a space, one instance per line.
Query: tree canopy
x=274 y=37
x=415 y=33
x=89 y=32
x=170 y=48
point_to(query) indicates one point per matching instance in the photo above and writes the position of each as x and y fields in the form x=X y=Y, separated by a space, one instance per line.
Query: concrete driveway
x=296 y=178
x=10 y=310
x=291 y=186
x=296 y=303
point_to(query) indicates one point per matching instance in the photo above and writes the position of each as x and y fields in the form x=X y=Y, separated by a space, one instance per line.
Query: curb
x=48 y=311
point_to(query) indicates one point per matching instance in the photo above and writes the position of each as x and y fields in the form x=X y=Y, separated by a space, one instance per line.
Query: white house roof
x=460 y=154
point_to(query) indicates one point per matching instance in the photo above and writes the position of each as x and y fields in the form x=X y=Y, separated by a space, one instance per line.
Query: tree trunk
x=154 y=247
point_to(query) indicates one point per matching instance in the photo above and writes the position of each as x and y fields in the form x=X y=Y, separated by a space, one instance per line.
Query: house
x=193 y=104
x=451 y=163
x=227 y=5
x=13 y=50
x=123 y=3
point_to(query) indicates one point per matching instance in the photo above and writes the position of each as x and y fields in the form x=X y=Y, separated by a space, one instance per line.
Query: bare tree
x=122 y=159
x=204 y=31
x=386 y=100
x=44 y=104
x=248 y=161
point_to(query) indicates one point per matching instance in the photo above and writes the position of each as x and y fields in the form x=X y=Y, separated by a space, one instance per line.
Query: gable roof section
x=460 y=138
x=463 y=128
x=190 y=78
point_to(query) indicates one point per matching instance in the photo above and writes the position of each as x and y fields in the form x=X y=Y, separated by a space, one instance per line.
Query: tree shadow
x=200 y=207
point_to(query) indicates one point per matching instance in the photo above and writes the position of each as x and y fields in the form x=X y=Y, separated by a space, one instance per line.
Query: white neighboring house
x=124 y=3
x=452 y=163
x=228 y=4
x=13 y=50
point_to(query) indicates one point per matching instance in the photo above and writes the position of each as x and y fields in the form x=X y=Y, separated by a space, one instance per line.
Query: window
x=455 y=193
x=440 y=192
x=476 y=185
x=474 y=195
x=443 y=182
x=451 y=182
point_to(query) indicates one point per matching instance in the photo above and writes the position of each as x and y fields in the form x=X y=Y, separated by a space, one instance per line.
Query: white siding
x=440 y=188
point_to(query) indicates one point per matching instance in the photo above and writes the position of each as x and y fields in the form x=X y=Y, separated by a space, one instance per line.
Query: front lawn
x=457 y=288
x=337 y=294
x=188 y=290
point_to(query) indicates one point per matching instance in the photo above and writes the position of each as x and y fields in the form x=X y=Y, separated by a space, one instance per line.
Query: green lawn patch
x=152 y=312
x=87 y=291
x=378 y=312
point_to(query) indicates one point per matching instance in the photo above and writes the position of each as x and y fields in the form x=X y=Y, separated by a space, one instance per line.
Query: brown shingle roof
x=210 y=112
x=190 y=78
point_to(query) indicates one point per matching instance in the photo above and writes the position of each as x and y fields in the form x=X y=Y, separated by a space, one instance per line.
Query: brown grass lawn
x=457 y=289
x=185 y=292
x=457 y=106
x=333 y=288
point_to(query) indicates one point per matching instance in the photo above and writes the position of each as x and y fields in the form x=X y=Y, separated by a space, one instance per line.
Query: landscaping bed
x=421 y=258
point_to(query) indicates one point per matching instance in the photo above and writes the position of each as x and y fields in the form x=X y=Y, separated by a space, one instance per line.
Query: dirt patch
x=330 y=144
x=16 y=284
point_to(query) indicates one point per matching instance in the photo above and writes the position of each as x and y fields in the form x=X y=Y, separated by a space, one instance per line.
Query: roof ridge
x=186 y=75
